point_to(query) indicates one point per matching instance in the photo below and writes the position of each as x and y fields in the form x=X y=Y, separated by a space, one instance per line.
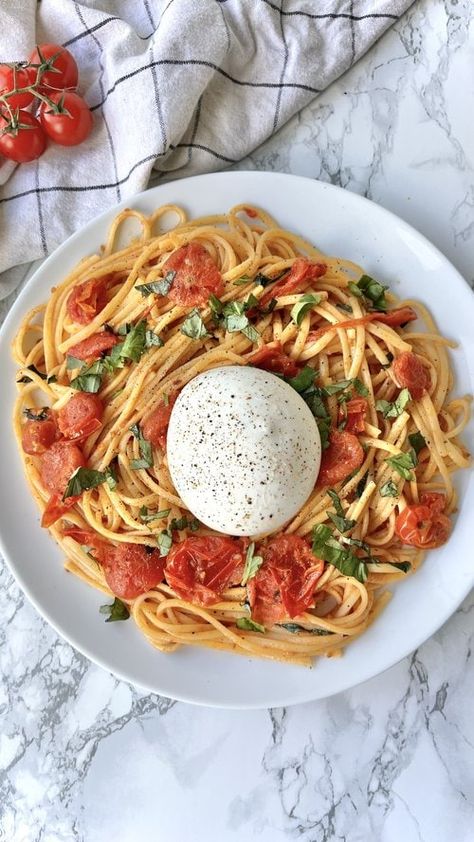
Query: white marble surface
x=86 y=757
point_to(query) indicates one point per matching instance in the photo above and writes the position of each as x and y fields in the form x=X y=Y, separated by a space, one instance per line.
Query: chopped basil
x=327 y=548
x=252 y=564
x=37 y=414
x=73 y=362
x=165 y=542
x=166 y=398
x=389 y=489
x=403 y=463
x=26 y=379
x=417 y=441
x=264 y=280
x=216 y=305
x=134 y=343
x=153 y=340
x=393 y=410
x=303 y=380
x=359 y=387
x=111 y=478
x=251 y=333
x=194 y=327
x=247 y=624
x=346 y=308
x=177 y=524
x=360 y=487
x=243 y=281
x=303 y=383
x=334 y=388
x=305 y=303
x=371 y=290
x=404 y=566
x=116 y=611
x=390 y=360
x=161 y=287
x=339 y=519
x=144 y=446
x=294 y=628
x=90 y=378
x=83 y=479
x=147 y=516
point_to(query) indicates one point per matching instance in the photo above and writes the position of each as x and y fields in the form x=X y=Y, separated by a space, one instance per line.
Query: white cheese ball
x=243 y=450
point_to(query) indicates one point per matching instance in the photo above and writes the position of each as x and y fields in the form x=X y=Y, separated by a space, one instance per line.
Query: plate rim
x=17 y=309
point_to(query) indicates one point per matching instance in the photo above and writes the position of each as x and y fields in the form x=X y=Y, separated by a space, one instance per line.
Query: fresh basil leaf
x=370 y=290
x=328 y=549
x=161 y=287
x=360 y=487
x=243 y=281
x=147 y=516
x=251 y=302
x=251 y=333
x=153 y=340
x=403 y=463
x=111 y=478
x=353 y=287
x=26 y=379
x=389 y=489
x=253 y=564
x=144 y=446
x=247 y=624
x=83 y=479
x=73 y=362
x=90 y=378
x=134 y=343
x=339 y=519
x=390 y=360
x=116 y=611
x=334 y=388
x=303 y=306
x=166 y=398
x=37 y=414
x=263 y=310
x=324 y=427
x=264 y=280
x=294 y=628
x=404 y=566
x=303 y=380
x=359 y=387
x=417 y=441
x=178 y=524
x=194 y=327
x=346 y=308
x=336 y=501
x=235 y=322
x=393 y=410
x=216 y=305
x=165 y=542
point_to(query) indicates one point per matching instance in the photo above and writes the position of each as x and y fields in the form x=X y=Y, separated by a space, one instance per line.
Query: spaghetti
x=367 y=374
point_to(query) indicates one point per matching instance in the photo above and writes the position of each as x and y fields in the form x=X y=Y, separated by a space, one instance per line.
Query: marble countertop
x=84 y=756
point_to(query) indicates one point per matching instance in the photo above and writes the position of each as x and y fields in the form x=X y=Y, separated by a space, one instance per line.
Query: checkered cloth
x=181 y=87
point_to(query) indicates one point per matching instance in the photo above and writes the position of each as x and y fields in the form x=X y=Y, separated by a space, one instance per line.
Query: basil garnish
x=247 y=624
x=371 y=290
x=389 y=489
x=253 y=564
x=147 y=516
x=161 y=287
x=403 y=463
x=294 y=628
x=193 y=326
x=393 y=410
x=165 y=542
x=328 y=549
x=339 y=519
x=116 y=611
x=144 y=446
x=303 y=306
x=83 y=479
x=417 y=441
x=25 y=379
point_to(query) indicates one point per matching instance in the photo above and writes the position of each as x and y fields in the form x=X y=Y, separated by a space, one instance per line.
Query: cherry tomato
x=93 y=347
x=196 y=278
x=60 y=68
x=155 y=427
x=410 y=373
x=58 y=464
x=37 y=436
x=301 y=274
x=353 y=413
x=284 y=585
x=86 y=538
x=13 y=76
x=435 y=501
x=201 y=568
x=88 y=299
x=423 y=527
x=80 y=416
x=56 y=507
x=395 y=318
x=271 y=358
x=74 y=122
x=130 y=569
x=24 y=142
x=344 y=455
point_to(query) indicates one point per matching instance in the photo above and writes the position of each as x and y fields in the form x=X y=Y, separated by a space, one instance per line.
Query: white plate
x=343 y=224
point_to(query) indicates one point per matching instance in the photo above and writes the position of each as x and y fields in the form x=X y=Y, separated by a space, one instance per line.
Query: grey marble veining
x=84 y=756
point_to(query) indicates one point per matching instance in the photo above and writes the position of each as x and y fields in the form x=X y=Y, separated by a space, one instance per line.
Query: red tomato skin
x=284 y=586
x=67 y=129
x=422 y=527
x=356 y=410
x=435 y=501
x=38 y=436
x=130 y=570
x=58 y=464
x=410 y=373
x=65 y=63
x=88 y=538
x=155 y=427
x=13 y=77
x=87 y=299
x=200 y=568
x=93 y=347
x=196 y=278
x=80 y=416
x=56 y=508
x=301 y=273
x=22 y=145
x=394 y=318
x=344 y=455
x=271 y=358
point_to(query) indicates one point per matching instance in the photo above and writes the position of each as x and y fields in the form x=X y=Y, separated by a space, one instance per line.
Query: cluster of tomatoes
x=38 y=100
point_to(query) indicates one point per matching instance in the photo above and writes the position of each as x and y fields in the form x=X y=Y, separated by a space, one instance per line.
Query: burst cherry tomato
x=93 y=347
x=130 y=569
x=353 y=413
x=38 y=435
x=344 y=455
x=284 y=585
x=13 y=76
x=272 y=358
x=423 y=526
x=24 y=141
x=88 y=299
x=410 y=373
x=58 y=464
x=196 y=278
x=301 y=274
x=155 y=427
x=87 y=538
x=72 y=124
x=435 y=501
x=201 y=568
x=81 y=416
x=56 y=507
x=60 y=68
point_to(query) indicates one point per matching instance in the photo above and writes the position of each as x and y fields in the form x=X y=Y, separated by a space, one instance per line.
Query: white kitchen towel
x=182 y=87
